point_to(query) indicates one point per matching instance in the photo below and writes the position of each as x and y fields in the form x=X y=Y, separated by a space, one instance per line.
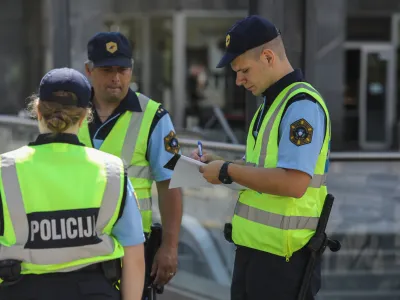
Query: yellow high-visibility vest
x=276 y=224
x=128 y=140
x=60 y=203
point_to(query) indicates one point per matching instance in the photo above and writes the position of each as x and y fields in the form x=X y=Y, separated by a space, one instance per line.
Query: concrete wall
x=324 y=58
x=372 y=7
x=86 y=19
x=322 y=42
x=20 y=45
x=313 y=32
x=124 y=6
x=288 y=17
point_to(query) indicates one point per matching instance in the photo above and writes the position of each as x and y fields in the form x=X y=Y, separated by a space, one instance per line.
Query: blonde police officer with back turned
x=68 y=214
x=284 y=167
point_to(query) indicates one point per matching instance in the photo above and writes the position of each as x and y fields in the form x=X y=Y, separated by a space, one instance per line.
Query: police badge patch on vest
x=301 y=132
x=61 y=229
x=171 y=143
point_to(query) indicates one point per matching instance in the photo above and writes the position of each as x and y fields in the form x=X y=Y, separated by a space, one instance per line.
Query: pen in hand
x=200 y=148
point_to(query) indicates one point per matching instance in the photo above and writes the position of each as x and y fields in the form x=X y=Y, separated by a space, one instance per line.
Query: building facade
x=349 y=50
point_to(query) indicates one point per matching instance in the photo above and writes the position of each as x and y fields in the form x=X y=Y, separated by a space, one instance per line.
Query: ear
x=87 y=70
x=268 y=56
x=39 y=115
x=81 y=121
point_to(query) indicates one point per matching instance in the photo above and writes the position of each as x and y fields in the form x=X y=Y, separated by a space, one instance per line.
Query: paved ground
x=365 y=214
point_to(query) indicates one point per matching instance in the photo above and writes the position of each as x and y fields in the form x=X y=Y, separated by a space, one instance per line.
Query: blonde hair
x=58 y=117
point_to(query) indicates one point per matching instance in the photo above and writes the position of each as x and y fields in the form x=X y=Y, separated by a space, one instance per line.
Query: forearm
x=236 y=161
x=170 y=204
x=275 y=181
x=133 y=270
x=239 y=162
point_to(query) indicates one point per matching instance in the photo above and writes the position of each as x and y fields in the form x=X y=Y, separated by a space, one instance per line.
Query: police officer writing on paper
x=68 y=214
x=284 y=167
x=140 y=131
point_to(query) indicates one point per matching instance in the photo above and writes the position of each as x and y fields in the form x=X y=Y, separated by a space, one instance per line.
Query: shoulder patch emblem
x=301 y=132
x=171 y=143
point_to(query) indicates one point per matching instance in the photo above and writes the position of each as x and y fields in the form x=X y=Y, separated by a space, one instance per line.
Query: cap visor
x=114 y=62
x=227 y=59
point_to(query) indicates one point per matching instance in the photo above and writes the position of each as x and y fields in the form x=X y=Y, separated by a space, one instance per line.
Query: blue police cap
x=246 y=34
x=108 y=49
x=68 y=80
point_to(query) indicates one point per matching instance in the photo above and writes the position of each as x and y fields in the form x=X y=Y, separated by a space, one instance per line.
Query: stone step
x=366 y=260
x=358 y=295
x=388 y=281
x=361 y=238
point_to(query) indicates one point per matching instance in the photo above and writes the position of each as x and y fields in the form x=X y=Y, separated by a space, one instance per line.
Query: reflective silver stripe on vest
x=139 y=172
x=131 y=138
x=316 y=181
x=20 y=224
x=275 y=220
x=145 y=204
x=15 y=204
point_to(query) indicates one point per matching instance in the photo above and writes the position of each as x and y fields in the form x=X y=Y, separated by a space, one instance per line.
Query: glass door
x=376 y=97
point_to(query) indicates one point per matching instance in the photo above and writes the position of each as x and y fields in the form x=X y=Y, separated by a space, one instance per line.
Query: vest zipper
x=288 y=251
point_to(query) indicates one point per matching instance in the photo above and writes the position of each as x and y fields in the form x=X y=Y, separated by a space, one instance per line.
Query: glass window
x=368 y=28
x=192 y=262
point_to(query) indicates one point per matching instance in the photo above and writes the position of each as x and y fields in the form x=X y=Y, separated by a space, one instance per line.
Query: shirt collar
x=274 y=90
x=129 y=103
x=47 y=138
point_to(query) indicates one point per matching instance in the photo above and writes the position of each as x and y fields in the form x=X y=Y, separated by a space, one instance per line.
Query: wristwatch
x=223 y=173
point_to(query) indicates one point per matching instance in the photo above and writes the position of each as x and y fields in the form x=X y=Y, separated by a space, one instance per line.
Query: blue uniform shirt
x=302 y=127
x=304 y=157
x=128 y=230
x=157 y=154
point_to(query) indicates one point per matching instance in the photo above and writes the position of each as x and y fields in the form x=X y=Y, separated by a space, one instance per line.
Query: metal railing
x=364 y=217
x=237 y=150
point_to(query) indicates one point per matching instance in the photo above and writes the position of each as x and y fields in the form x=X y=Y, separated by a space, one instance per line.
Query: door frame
x=389 y=105
x=395 y=38
x=365 y=48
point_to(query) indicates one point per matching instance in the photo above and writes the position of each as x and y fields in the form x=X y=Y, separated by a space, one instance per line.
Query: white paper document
x=186 y=174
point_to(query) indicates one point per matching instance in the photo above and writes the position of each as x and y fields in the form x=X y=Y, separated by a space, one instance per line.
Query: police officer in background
x=284 y=168
x=68 y=214
x=140 y=131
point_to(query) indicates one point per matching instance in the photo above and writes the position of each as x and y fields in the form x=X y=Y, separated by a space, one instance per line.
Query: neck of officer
x=71 y=130
x=104 y=108
x=284 y=68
